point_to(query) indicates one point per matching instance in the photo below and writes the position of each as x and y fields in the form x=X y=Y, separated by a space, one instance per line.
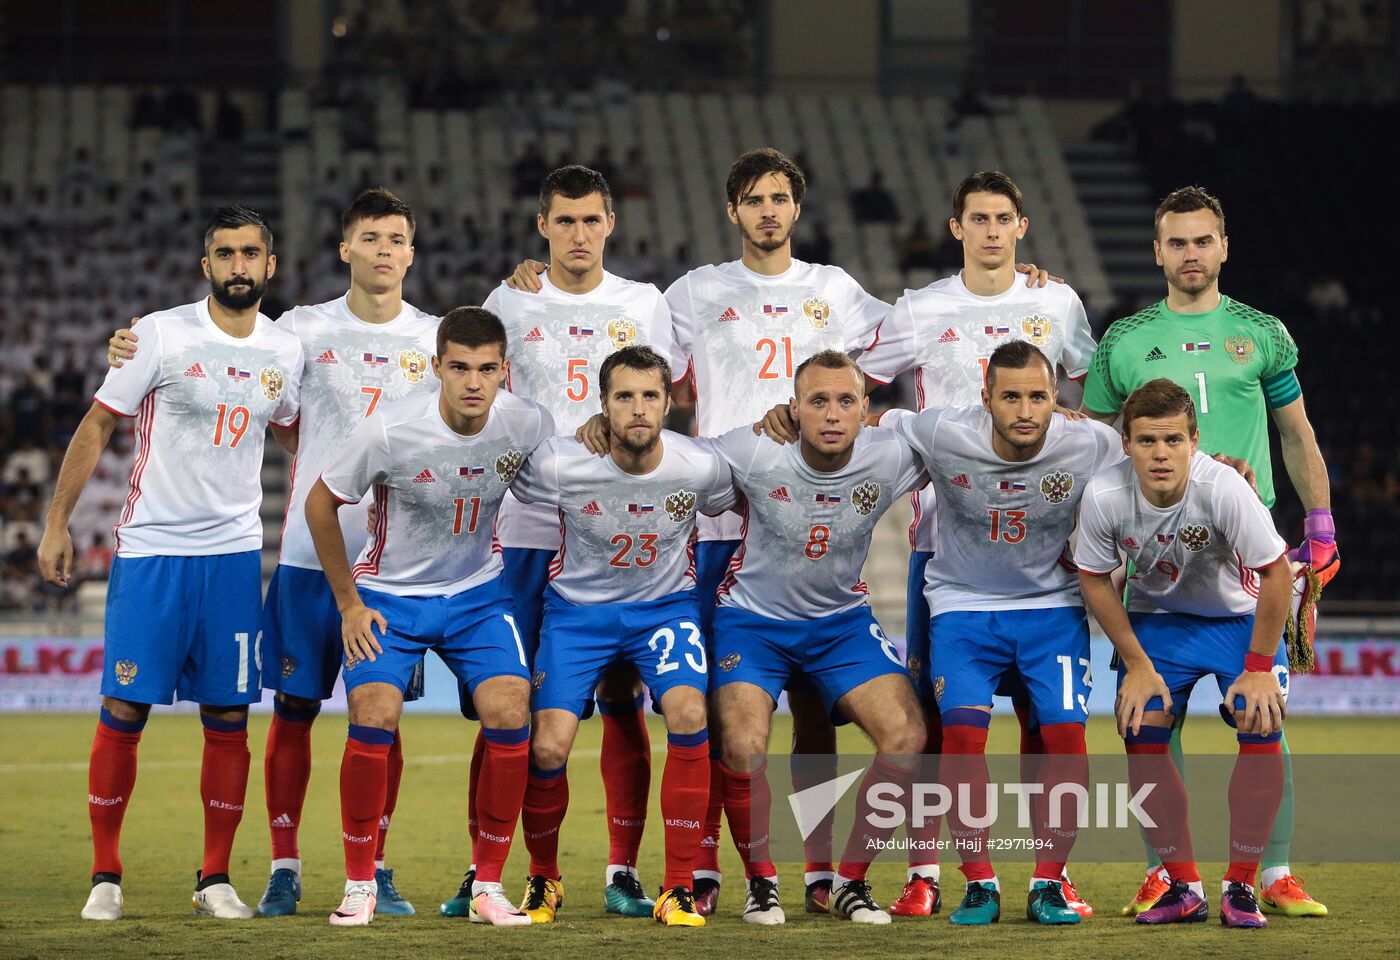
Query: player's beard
x=244 y=298
x=637 y=447
x=769 y=244
x=1201 y=281
x=1017 y=441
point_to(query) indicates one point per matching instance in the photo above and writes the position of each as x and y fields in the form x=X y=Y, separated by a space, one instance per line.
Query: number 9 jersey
x=202 y=400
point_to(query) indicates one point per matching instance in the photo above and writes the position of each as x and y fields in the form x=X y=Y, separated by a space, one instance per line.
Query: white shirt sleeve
x=912 y=475
x=360 y=462
x=718 y=494
x=544 y=428
x=126 y=386
x=1245 y=521
x=917 y=429
x=866 y=314
x=1097 y=549
x=663 y=339
x=1079 y=340
x=739 y=447
x=682 y=324
x=289 y=404
x=538 y=479
x=892 y=353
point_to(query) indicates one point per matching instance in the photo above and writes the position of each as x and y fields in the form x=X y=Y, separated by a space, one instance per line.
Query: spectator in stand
x=874 y=204
x=916 y=250
x=528 y=171
x=815 y=248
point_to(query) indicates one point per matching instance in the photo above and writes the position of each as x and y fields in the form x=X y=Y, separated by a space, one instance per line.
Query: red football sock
x=923 y=839
x=747 y=805
x=111 y=777
x=1064 y=762
x=505 y=769
x=1032 y=747
x=866 y=840
x=1256 y=789
x=473 y=782
x=1149 y=760
x=965 y=768
x=286 y=772
x=707 y=855
x=808 y=771
x=364 y=776
x=223 y=786
x=685 y=789
x=626 y=767
x=391 y=794
x=546 y=802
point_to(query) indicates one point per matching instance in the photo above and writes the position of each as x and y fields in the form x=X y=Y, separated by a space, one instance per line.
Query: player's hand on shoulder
x=527 y=276
x=1037 y=277
x=1140 y=684
x=777 y=425
x=1069 y=414
x=1264 y=706
x=1241 y=467
x=372 y=518
x=122 y=346
x=357 y=631
x=594 y=434
x=56 y=558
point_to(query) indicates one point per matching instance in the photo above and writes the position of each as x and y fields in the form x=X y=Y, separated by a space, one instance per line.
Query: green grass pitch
x=44 y=844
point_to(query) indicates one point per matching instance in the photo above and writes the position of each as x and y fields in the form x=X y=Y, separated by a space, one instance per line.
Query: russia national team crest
x=414 y=365
x=1194 y=536
x=1055 y=487
x=622 y=332
x=126 y=672
x=272 y=382
x=537 y=681
x=915 y=664
x=938 y=684
x=680 y=506
x=1037 y=329
x=865 y=497
x=1239 y=349
x=508 y=465
x=818 y=311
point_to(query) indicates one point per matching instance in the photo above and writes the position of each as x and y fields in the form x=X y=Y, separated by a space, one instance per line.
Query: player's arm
x=322 y=518
x=56 y=548
x=1303 y=460
x=1141 y=682
x=287 y=436
x=1264 y=708
x=122 y=346
x=527 y=276
x=1036 y=277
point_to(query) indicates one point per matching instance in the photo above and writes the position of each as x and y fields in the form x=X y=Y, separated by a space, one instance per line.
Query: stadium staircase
x=1114 y=192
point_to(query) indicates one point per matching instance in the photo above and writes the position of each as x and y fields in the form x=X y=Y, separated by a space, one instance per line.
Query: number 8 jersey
x=202 y=400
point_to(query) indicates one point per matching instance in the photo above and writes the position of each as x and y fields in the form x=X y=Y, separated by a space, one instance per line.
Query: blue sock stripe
x=547 y=774
x=373 y=735
x=688 y=739
x=967 y=717
x=1274 y=737
x=1148 y=734
x=223 y=726
x=295 y=714
x=504 y=735
x=621 y=708
x=121 y=726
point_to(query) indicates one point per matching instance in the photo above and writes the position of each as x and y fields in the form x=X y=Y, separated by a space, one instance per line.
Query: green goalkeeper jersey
x=1236 y=363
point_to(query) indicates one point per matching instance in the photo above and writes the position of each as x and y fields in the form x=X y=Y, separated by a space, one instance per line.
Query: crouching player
x=794 y=600
x=622 y=590
x=429 y=579
x=1210 y=596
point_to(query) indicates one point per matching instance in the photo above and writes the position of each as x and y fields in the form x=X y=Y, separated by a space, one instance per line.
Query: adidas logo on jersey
x=1156 y=354
x=591 y=509
x=534 y=336
x=728 y=315
x=327 y=357
x=196 y=371
x=948 y=336
x=425 y=477
x=780 y=494
x=961 y=481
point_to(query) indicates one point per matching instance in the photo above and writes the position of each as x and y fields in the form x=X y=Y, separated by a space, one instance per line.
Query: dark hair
x=634 y=358
x=471 y=327
x=1188 y=200
x=574 y=182
x=986 y=181
x=746 y=170
x=1159 y=398
x=374 y=203
x=231 y=216
x=1017 y=355
x=829 y=360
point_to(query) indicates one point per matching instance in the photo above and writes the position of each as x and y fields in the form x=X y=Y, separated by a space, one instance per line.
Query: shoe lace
x=1175 y=894
x=859 y=891
x=535 y=891
x=1053 y=895
x=498 y=899
x=1291 y=886
x=465 y=890
x=629 y=885
x=356 y=898
x=683 y=899
x=281 y=884
x=1241 y=897
x=1149 y=883
x=385 y=879
x=763 y=892
x=977 y=895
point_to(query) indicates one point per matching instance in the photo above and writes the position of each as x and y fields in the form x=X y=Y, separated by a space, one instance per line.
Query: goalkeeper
x=1236 y=363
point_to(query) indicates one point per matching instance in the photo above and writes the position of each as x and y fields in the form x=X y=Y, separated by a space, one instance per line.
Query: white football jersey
x=1003 y=535
x=806 y=533
x=351 y=369
x=202 y=401
x=437 y=492
x=946 y=333
x=557 y=342
x=626 y=538
x=742 y=334
x=1198 y=556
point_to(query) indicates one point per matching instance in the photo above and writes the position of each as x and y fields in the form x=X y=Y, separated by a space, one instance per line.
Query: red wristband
x=1258 y=663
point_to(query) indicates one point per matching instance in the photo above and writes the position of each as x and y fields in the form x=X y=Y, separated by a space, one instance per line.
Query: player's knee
x=298 y=704
x=371 y=707
x=548 y=752
x=742 y=750
x=684 y=709
x=904 y=738
x=231 y=714
x=125 y=710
